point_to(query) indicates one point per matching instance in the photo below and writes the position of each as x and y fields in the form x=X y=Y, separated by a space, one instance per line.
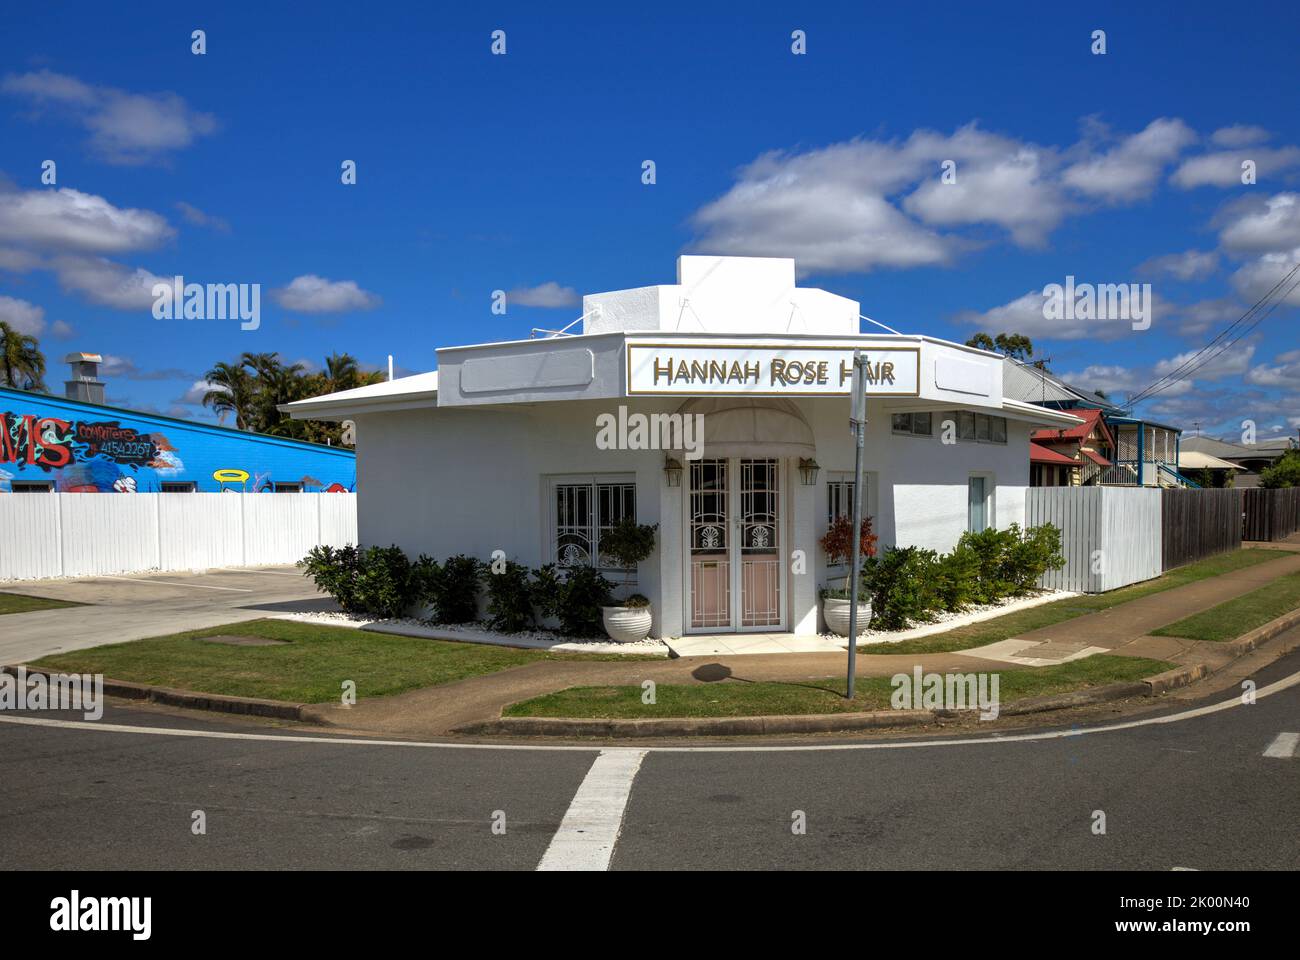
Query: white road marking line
x=1283 y=746
x=589 y=831
x=176 y=583
x=1277 y=687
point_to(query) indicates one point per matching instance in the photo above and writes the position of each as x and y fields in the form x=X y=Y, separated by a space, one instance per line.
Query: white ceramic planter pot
x=627 y=624
x=836 y=613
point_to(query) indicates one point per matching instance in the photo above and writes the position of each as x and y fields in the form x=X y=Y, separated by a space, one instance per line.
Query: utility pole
x=858 y=427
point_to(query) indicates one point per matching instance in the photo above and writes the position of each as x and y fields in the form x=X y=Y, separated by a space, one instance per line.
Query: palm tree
x=231 y=390
x=22 y=365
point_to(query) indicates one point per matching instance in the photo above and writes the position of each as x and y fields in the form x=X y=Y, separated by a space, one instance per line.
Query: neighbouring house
x=1249 y=459
x=77 y=444
x=1143 y=452
x=1074 y=456
x=715 y=407
x=1208 y=470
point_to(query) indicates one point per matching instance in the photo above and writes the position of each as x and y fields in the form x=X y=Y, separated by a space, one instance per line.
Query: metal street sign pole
x=857 y=423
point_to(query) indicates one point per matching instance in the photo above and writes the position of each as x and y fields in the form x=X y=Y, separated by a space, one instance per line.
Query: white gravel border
x=949 y=621
x=464 y=633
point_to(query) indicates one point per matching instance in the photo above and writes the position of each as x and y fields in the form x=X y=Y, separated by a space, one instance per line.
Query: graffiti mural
x=75 y=447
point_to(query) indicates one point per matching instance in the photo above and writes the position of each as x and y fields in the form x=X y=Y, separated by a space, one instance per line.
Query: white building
x=506 y=446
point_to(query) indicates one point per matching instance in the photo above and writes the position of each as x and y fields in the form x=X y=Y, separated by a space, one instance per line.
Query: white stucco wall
x=474 y=480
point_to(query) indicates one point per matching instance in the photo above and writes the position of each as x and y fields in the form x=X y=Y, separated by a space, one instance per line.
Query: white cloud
x=194 y=395
x=825 y=209
x=1131 y=169
x=125 y=127
x=866 y=204
x=1113 y=380
x=70 y=221
x=1215 y=364
x=1283 y=372
x=1188 y=265
x=1196 y=318
x=1223 y=169
x=1256 y=279
x=22 y=316
x=63 y=330
x=1011 y=190
x=1239 y=135
x=194 y=215
x=1026 y=314
x=124 y=368
x=18 y=261
x=312 y=294
x=1262 y=225
x=548 y=294
x=110 y=284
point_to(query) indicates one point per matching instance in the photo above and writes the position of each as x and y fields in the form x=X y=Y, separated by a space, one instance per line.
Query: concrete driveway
x=138 y=605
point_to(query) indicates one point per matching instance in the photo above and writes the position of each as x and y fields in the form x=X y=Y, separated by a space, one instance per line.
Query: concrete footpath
x=1122 y=630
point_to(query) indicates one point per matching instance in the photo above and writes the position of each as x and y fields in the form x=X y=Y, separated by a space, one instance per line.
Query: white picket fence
x=80 y=534
x=1110 y=536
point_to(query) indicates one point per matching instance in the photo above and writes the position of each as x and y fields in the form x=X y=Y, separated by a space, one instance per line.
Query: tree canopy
x=22 y=365
x=1017 y=346
x=253 y=387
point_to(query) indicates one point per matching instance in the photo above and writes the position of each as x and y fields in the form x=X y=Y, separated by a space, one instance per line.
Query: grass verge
x=1015 y=624
x=21 y=603
x=740 y=698
x=308 y=667
x=1241 y=615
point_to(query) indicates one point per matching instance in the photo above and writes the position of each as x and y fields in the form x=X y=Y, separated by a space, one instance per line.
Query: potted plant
x=627 y=543
x=838 y=544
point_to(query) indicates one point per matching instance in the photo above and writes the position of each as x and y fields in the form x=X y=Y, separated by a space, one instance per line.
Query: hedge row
x=383 y=582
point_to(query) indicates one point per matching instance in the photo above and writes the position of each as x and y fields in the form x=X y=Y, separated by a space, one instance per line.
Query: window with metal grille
x=581 y=510
x=178 y=486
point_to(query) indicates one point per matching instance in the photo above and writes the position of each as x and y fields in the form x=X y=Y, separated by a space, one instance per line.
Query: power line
x=1197 y=360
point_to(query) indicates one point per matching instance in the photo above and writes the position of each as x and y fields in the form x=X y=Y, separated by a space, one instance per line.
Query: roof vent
x=85 y=384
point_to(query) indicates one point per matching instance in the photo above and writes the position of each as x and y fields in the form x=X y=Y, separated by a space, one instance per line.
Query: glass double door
x=736 y=576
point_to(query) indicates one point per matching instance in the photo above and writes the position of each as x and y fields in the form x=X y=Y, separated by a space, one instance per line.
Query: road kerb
x=221 y=703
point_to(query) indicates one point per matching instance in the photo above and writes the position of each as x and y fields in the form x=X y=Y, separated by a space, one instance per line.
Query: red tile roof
x=1077 y=432
x=1041 y=454
x=1096 y=458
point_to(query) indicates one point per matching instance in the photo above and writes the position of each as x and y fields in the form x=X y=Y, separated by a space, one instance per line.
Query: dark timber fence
x=1198 y=523
x=1270 y=514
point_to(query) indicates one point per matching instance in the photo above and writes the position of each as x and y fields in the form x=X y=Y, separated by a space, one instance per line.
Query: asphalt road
x=1198 y=793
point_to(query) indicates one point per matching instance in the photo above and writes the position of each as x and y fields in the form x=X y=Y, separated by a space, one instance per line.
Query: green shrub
x=510 y=597
x=383 y=583
x=452 y=589
x=989 y=548
x=902 y=585
x=1284 y=473
x=1032 y=555
x=334 y=572
x=573 y=596
x=956 y=575
x=1011 y=561
x=627 y=542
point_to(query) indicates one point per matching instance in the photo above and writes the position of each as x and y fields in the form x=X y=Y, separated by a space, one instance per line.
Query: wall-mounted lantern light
x=673 y=471
x=808 y=468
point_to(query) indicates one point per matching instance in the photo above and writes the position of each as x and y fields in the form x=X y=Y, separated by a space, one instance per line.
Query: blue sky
x=523 y=173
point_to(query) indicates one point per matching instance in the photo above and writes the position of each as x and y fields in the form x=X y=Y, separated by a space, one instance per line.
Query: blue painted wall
x=83 y=447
